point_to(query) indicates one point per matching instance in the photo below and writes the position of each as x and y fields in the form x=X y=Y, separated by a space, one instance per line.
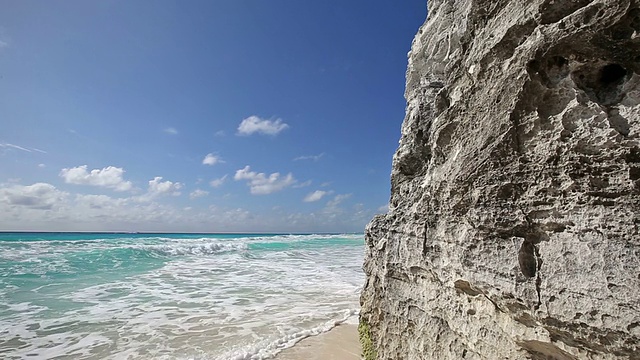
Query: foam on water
x=174 y=296
x=269 y=350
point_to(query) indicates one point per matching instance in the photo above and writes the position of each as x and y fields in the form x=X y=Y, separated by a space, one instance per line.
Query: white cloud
x=22 y=148
x=309 y=157
x=220 y=133
x=211 y=160
x=316 y=195
x=383 y=209
x=302 y=184
x=335 y=212
x=158 y=187
x=43 y=207
x=100 y=202
x=12 y=146
x=41 y=165
x=261 y=184
x=218 y=182
x=40 y=196
x=337 y=200
x=109 y=177
x=198 y=193
x=254 y=124
x=171 y=131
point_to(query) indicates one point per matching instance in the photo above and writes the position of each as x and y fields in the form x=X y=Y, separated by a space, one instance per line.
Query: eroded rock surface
x=513 y=230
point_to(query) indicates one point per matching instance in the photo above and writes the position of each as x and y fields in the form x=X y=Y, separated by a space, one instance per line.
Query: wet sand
x=340 y=343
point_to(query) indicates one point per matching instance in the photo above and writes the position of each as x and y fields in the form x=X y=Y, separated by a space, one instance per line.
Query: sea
x=173 y=296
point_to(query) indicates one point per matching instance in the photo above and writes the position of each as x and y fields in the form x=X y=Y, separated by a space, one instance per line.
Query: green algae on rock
x=368 y=350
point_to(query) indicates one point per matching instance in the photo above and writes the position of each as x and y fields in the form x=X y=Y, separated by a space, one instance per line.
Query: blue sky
x=200 y=116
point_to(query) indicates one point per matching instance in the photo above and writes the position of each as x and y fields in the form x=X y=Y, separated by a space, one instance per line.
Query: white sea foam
x=269 y=350
x=203 y=298
x=193 y=249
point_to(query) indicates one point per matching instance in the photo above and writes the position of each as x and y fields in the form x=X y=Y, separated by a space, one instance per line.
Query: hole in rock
x=602 y=84
x=527 y=259
x=414 y=162
x=633 y=156
x=533 y=66
x=557 y=61
x=612 y=74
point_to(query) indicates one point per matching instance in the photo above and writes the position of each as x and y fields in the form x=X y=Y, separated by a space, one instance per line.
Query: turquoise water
x=172 y=296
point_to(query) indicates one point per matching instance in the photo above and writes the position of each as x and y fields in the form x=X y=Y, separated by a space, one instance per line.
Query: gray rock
x=513 y=229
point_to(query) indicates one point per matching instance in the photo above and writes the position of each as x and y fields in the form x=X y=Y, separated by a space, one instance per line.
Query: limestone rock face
x=513 y=229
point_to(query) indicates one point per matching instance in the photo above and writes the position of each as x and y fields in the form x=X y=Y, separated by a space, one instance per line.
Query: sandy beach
x=340 y=343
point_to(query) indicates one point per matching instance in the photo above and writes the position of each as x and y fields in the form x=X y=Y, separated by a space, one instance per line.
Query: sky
x=200 y=116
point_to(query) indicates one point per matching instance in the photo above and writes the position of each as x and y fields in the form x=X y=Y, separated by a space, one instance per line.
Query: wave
x=142 y=256
x=67 y=261
x=212 y=246
x=170 y=247
x=83 y=238
x=144 y=253
x=272 y=348
x=193 y=249
x=206 y=296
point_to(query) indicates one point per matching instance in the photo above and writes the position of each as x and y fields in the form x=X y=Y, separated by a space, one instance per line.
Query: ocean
x=172 y=296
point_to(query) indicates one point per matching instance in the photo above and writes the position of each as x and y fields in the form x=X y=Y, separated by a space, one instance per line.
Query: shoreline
x=339 y=343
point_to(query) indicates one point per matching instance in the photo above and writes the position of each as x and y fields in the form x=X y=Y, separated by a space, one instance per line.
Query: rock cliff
x=513 y=229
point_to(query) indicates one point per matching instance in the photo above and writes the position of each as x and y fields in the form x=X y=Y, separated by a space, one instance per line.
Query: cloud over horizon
x=253 y=124
x=108 y=177
x=41 y=206
x=41 y=196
